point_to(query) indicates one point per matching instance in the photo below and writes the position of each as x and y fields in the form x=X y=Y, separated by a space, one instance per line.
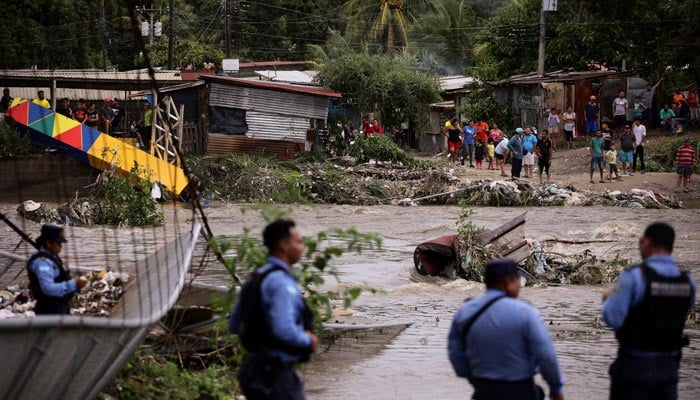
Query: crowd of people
x=109 y=118
x=616 y=149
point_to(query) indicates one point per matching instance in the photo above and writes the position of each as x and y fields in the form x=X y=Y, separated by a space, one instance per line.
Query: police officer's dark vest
x=656 y=323
x=254 y=329
x=46 y=304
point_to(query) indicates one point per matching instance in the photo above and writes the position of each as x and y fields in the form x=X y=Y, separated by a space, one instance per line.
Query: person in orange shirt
x=482 y=131
x=677 y=98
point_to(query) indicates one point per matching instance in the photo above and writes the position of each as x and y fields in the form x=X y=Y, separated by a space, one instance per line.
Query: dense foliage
x=394 y=86
x=12 y=143
x=498 y=37
x=126 y=200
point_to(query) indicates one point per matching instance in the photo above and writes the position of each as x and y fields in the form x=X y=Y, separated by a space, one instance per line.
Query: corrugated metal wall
x=276 y=126
x=268 y=101
x=227 y=144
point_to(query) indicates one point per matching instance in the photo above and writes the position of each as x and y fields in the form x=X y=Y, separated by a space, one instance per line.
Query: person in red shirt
x=375 y=128
x=685 y=159
x=693 y=102
x=482 y=131
x=365 y=126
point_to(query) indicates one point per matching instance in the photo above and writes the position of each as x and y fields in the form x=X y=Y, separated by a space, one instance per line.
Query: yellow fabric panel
x=108 y=150
x=61 y=123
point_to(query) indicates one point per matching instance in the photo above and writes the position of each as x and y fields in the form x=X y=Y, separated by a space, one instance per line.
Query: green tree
x=395 y=87
x=388 y=20
x=448 y=33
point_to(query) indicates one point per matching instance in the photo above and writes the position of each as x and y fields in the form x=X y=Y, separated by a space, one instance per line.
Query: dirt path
x=571 y=167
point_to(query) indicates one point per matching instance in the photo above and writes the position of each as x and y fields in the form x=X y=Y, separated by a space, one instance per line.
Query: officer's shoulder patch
x=44 y=268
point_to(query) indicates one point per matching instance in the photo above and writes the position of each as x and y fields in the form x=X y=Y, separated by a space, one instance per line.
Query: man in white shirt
x=501 y=152
x=619 y=109
x=640 y=132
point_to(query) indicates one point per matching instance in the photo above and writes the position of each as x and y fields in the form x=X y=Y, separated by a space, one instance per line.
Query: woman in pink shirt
x=496 y=134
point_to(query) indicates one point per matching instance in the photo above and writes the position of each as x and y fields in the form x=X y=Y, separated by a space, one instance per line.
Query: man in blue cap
x=648 y=310
x=49 y=278
x=499 y=343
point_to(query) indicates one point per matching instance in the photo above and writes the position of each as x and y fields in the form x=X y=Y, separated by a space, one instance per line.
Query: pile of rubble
x=97 y=299
x=523 y=193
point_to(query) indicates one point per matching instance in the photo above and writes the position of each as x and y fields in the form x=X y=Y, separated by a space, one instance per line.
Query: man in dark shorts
x=619 y=109
x=543 y=150
x=685 y=158
x=597 y=155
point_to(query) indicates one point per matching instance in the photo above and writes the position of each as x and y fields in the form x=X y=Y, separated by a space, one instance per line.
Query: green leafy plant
x=148 y=377
x=12 y=143
x=378 y=148
x=126 y=200
x=321 y=250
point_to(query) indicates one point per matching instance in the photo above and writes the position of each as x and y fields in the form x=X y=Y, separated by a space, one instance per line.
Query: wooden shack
x=258 y=117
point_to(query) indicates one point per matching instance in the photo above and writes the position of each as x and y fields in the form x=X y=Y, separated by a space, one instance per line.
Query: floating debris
x=518 y=193
x=97 y=299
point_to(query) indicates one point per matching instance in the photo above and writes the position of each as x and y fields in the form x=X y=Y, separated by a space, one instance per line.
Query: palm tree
x=388 y=20
x=448 y=33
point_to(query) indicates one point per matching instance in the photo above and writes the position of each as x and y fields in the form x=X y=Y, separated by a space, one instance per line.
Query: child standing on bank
x=491 y=152
x=611 y=158
x=479 y=154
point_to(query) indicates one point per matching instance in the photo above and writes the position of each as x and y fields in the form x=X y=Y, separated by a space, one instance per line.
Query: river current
x=413 y=364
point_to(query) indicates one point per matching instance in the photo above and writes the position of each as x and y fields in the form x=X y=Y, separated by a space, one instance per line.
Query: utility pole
x=171 y=34
x=153 y=27
x=103 y=34
x=227 y=29
x=540 y=53
x=547 y=5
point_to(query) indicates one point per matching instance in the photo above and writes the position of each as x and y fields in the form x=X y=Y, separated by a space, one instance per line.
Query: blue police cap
x=52 y=232
x=503 y=267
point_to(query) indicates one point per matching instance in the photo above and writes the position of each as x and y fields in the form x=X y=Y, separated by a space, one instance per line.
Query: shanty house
x=529 y=96
x=453 y=90
x=258 y=117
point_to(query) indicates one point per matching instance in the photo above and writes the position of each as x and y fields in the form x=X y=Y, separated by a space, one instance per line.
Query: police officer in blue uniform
x=273 y=320
x=49 y=279
x=499 y=343
x=648 y=309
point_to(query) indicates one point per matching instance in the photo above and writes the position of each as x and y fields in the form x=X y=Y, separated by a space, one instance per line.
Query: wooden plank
x=487 y=237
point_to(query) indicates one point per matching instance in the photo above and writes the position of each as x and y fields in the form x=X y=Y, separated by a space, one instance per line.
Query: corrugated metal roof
x=89 y=74
x=298 y=77
x=264 y=64
x=559 y=76
x=227 y=144
x=450 y=104
x=72 y=94
x=275 y=86
x=456 y=82
x=170 y=89
x=268 y=101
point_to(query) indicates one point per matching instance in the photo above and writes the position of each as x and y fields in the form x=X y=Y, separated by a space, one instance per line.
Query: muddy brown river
x=413 y=364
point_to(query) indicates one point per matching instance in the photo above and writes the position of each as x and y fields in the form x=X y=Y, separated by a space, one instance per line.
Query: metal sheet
x=276 y=127
x=268 y=101
x=74 y=357
x=228 y=144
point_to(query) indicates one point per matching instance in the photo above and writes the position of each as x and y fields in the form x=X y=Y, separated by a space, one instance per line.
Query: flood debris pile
x=521 y=193
x=114 y=200
x=583 y=268
x=97 y=299
x=340 y=180
x=15 y=302
x=101 y=295
x=548 y=260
